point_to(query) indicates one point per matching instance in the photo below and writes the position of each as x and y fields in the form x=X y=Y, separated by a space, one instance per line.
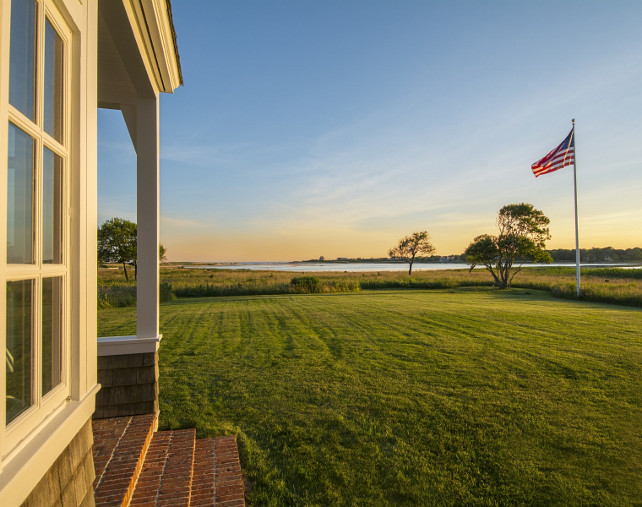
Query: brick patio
x=136 y=465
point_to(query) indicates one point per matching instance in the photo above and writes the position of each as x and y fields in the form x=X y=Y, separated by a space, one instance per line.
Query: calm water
x=308 y=267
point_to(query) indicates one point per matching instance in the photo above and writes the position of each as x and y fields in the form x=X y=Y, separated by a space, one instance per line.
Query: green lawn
x=411 y=397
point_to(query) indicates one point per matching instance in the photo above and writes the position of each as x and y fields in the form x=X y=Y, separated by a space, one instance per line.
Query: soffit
x=114 y=83
x=122 y=74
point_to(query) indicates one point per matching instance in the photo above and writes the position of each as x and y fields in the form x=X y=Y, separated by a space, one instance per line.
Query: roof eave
x=160 y=35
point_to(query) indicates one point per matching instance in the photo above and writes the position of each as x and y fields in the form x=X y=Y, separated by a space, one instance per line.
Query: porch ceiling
x=137 y=52
x=122 y=76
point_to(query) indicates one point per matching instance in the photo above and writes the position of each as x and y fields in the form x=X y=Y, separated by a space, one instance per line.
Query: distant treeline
x=607 y=254
x=432 y=258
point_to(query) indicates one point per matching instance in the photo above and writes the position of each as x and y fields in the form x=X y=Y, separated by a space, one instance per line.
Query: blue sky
x=335 y=127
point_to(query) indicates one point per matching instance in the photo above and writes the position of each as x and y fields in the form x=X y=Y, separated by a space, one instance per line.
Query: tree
x=117 y=242
x=523 y=231
x=409 y=247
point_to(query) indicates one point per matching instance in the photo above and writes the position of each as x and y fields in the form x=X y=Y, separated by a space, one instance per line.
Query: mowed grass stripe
x=411 y=397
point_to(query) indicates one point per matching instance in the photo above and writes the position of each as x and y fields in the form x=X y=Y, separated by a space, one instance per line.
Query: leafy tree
x=523 y=231
x=117 y=243
x=409 y=247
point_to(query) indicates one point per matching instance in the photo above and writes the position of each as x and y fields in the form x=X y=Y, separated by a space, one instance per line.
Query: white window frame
x=18 y=429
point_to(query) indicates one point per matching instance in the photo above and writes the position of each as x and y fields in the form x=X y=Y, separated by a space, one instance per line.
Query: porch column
x=128 y=365
x=148 y=216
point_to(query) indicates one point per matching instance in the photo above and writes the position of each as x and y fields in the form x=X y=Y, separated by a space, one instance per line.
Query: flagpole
x=577 y=237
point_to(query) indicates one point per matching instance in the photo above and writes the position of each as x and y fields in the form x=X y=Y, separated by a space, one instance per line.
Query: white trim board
x=122 y=345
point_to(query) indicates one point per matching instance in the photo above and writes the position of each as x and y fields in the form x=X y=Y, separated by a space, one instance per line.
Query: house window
x=19 y=347
x=37 y=257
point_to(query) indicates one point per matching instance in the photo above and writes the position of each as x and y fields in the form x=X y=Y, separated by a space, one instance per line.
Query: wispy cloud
x=441 y=140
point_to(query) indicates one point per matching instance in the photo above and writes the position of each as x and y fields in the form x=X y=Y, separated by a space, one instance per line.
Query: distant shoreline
x=334 y=261
x=377 y=261
x=330 y=266
x=598 y=256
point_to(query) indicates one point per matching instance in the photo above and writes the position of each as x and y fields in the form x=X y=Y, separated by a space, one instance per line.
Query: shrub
x=306 y=284
x=166 y=293
x=342 y=286
x=116 y=295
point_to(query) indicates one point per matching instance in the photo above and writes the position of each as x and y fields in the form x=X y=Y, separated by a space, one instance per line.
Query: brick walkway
x=137 y=466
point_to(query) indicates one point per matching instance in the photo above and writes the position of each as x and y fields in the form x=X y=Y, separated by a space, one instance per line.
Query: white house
x=60 y=60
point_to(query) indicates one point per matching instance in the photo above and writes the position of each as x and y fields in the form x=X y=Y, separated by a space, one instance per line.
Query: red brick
x=176 y=470
x=119 y=446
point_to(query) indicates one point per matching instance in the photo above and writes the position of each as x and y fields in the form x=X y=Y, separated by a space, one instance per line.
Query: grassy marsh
x=607 y=285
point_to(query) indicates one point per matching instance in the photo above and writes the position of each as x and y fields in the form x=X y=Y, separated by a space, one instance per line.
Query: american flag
x=560 y=157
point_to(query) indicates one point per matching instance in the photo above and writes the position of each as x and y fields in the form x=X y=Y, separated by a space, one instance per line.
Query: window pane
x=51 y=333
x=22 y=57
x=19 y=348
x=20 y=190
x=51 y=207
x=53 y=83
